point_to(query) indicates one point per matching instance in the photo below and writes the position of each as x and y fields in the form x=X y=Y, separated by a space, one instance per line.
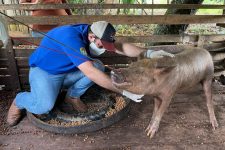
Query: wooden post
x=201 y=41
x=13 y=70
x=224 y=9
x=7 y=43
x=152 y=9
x=1 y=44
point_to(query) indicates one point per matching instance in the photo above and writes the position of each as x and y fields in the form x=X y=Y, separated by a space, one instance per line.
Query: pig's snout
x=119 y=80
x=116 y=76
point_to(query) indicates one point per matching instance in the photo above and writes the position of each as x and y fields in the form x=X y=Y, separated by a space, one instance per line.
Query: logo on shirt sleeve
x=83 y=51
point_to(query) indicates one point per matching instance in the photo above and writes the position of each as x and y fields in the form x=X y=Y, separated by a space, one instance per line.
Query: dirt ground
x=185 y=125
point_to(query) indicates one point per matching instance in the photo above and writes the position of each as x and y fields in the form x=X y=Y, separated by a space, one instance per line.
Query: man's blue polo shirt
x=56 y=58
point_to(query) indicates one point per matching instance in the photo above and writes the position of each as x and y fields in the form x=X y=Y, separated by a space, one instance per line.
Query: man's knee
x=44 y=107
x=98 y=64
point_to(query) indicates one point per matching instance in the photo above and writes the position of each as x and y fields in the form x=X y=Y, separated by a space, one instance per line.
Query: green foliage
x=77 y=11
x=100 y=1
x=127 y=11
x=211 y=11
x=128 y=1
x=213 y=1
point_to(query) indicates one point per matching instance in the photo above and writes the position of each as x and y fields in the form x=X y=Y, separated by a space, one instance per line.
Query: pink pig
x=163 y=77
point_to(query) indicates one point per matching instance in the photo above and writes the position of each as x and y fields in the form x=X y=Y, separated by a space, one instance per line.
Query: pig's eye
x=153 y=80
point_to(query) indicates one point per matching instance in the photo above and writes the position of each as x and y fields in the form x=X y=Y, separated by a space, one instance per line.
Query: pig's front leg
x=157 y=103
x=154 y=124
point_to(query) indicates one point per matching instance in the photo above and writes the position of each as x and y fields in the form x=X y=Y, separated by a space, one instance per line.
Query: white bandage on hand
x=157 y=54
x=133 y=97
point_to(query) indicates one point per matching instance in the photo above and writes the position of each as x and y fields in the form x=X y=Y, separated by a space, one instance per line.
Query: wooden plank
x=27 y=52
x=151 y=38
x=5 y=80
x=221 y=25
x=218 y=56
x=219 y=64
x=3 y=63
x=119 y=19
x=23 y=62
x=25 y=41
x=137 y=39
x=23 y=52
x=1 y=44
x=214 y=47
x=25 y=86
x=219 y=73
x=214 y=37
x=130 y=39
x=218 y=68
x=4 y=71
x=23 y=71
x=109 y=6
x=24 y=79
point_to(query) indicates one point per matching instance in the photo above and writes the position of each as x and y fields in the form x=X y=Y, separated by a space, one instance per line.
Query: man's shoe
x=77 y=104
x=14 y=115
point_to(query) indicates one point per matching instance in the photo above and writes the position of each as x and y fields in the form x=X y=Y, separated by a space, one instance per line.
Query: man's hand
x=134 y=97
x=157 y=54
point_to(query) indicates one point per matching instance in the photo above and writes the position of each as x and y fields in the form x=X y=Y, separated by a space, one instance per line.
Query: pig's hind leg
x=207 y=84
x=159 y=109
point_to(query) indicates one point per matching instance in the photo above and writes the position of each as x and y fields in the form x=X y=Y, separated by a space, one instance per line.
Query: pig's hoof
x=214 y=124
x=151 y=130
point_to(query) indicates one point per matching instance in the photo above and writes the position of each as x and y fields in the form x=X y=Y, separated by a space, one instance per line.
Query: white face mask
x=94 y=50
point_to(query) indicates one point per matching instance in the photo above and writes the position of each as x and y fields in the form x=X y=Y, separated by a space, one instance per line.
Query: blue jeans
x=45 y=88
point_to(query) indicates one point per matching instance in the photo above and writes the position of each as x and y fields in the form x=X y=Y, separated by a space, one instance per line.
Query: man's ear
x=91 y=37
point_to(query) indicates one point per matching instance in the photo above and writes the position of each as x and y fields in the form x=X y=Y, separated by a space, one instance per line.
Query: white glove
x=134 y=97
x=157 y=54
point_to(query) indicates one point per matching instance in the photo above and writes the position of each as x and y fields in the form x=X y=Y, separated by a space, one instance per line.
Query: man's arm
x=103 y=80
x=129 y=49
x=97 y=76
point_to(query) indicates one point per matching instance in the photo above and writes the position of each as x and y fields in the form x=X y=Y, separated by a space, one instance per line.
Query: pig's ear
x=165 y=64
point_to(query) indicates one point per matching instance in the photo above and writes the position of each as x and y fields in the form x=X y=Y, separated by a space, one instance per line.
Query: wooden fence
x=14 y=57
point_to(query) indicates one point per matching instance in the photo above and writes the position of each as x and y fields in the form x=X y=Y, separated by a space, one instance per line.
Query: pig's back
x=194 y=65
